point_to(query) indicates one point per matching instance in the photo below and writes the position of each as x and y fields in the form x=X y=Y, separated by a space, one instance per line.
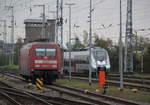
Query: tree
x=142 y=46
x=106 y=44
x=85 y=38
x=18 y=45
x=146 y=59
x=77 y=44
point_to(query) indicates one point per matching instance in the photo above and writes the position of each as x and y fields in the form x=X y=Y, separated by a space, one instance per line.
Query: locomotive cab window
x=50 y=52
x=40 y=51
x=100 y=55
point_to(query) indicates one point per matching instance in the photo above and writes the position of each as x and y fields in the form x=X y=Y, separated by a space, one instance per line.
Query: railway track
x=32 y=97
x=20 y=97
x=94 y=98
x=8 y=91
x=127 y=78
x=80 y=97
x=130 y=76
x=131 y=80
x=141 y=87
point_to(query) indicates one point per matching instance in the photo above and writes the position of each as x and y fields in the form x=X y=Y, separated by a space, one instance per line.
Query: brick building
x=33 y=29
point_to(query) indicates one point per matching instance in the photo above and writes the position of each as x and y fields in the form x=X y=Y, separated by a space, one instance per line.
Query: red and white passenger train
x=40 y=59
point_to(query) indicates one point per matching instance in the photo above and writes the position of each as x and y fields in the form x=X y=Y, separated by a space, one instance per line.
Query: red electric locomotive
x=40 y=59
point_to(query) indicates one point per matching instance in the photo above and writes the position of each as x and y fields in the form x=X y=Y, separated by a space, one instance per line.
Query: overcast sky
x=105 y=12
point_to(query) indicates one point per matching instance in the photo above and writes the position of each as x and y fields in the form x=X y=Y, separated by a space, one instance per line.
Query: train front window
x=50 y=52
x=100 y=55
x=40 y=51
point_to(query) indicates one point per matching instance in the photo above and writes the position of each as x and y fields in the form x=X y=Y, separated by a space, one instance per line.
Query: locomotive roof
x=86 y=49
x=29 y=45
x=83 y=52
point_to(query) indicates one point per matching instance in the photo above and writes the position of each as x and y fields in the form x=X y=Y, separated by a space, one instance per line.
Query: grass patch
x=134 y=75
x=142 y=75
x=112 y=91
x=10 y=67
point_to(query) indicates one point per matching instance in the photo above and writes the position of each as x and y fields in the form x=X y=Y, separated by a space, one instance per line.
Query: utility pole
x=5 y=30
x=90 y=43
x=12 y=34
x=43 y=23
x=5 y=41
x=120 y=49
x=43 y=36
x=57 y=20
x=61 y=22
x=70 y=4
x=128 y=60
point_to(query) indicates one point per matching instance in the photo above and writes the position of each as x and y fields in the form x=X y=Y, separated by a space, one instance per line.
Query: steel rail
x=7 y=90
x=116 y=83
x=23 y=92
x=120 y=100
x=81 y=95
x=97 y=96
x=52 y=100
x=10 y=98
x=102 y=102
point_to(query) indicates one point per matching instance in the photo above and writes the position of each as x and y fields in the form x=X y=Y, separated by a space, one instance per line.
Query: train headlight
x=101 y=63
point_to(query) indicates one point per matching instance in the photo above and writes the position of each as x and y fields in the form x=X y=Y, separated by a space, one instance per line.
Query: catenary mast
x=128 y=60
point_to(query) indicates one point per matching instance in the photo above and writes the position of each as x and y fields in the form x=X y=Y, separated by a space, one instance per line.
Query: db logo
x=45 y=57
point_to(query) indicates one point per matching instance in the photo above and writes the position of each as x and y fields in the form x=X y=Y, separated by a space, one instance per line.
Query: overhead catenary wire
x=83 y=11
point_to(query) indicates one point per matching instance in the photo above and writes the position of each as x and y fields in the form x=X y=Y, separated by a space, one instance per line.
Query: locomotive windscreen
x=45 y=52
x=100 y=55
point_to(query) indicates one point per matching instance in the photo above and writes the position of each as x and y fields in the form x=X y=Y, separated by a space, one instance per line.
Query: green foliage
x=77 y=44
x=137 y=62
x=85 y=38
x=142 y=45
x=146 y=60
x=10 y=67
x=112 y=51
x=106 y=44
x=114 y=58
x=5 y=58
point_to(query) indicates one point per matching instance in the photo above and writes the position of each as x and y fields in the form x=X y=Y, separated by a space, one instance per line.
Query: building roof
x=36 y=20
